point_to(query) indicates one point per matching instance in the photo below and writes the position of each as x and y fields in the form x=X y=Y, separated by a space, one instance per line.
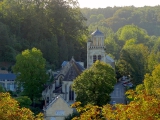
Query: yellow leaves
x=143 y=107
x=76 y=104
x=130 y=94
x=152 y=82
x=145 y=104
x=10 y=110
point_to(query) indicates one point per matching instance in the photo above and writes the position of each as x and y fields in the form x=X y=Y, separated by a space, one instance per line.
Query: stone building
x=58 y=109
x=96 y=49
x=63 y=80
x=61 y=85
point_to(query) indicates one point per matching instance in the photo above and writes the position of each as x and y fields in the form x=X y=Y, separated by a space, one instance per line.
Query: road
x=118 y=95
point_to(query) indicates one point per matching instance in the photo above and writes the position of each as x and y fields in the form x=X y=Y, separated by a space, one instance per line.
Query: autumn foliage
x=10 y=110
x=144 y=103
x=143 y=107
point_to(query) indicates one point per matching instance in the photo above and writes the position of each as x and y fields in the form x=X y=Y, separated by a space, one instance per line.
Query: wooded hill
x=60 y=28
x=145 y=17
x=131 y=37
x=56 y=27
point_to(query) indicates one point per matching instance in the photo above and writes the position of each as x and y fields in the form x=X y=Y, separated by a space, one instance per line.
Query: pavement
x=118 y=94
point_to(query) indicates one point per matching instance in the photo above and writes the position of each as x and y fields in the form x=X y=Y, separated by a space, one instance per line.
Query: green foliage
x=146 y=17
x=63 y=53
x=153 y=60
x=24 y=101
x=140 y=88
x=10 y=110
x=95 y=84
x=1 y=89
x=50 y=51
x=152 y=82
x=144 y=103
x=156 y=46
x=71 y=116
x=112 y=46
x=6 y=50
x=134 y=58
x=41 y=24
x=31 y=73
x=132 y=32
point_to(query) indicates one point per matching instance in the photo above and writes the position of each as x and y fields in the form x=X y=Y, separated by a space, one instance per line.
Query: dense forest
x=60 y=29
x=131 y=37
x=114 y=18
x=56 y=27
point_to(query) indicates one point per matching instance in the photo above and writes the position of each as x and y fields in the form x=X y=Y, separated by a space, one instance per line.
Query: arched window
x=71 y=94
x=99 y=57
x=47 y=100
x=65 y=92
x=94 y=58
x=60 y=81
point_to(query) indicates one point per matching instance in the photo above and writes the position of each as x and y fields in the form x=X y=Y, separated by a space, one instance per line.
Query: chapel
x=63 y=79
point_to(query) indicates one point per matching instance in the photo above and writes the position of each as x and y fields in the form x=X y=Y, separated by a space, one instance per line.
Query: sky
x=120 y=3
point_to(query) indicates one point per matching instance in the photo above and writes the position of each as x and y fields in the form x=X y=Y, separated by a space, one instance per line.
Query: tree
x=6 y=50
x=63 y=50
x=153 y=60
x=31 y=73
x=152 y=82
x=50 y=23
x=24 y=101
x=10 y=110
x=144 y=104
x=112 y=46
x=95 y=84
x=134 y=57
x=143 y=107
x=49 y=48
x=1 y=89
x=132 y=32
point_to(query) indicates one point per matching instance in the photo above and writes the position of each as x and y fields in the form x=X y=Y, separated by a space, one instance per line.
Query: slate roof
x=108 y=58
x=53 y=101
x=58 y=90
x=80 y=67
x=64 y=63
x=97 y=33
x=78 y=64
x=75 y=70
x=9 y=76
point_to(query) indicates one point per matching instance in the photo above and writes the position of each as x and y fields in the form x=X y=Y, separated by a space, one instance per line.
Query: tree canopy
x=10 y=110
x=31 y=72
x=134 y=58
x=95 y=84
x=146 y=17
x=144 y=103
x=41 y=24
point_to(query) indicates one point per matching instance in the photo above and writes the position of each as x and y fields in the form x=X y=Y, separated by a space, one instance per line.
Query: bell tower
x=95 y=48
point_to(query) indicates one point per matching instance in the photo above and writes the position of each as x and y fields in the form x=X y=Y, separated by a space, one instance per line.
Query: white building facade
x=7 y=81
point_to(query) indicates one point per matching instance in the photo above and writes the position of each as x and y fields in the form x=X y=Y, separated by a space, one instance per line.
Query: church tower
x=95 y=48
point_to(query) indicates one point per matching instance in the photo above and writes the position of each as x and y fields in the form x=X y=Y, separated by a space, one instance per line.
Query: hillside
x=146 y=17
